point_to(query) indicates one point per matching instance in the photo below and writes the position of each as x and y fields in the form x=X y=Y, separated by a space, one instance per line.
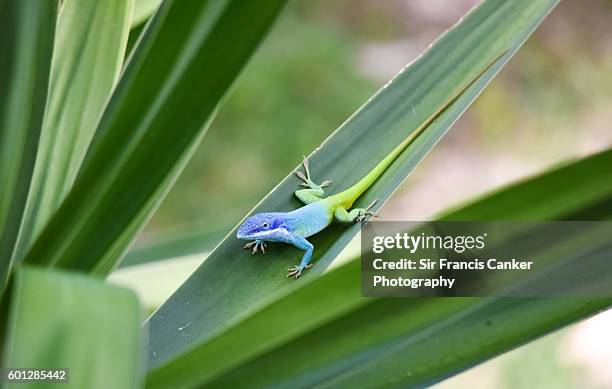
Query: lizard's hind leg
x=313 y=192
x=355 y=215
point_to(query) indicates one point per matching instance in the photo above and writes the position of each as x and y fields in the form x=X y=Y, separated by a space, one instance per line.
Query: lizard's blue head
x=261 y=226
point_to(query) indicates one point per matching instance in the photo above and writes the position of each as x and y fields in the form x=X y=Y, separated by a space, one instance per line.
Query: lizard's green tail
x=348 y=197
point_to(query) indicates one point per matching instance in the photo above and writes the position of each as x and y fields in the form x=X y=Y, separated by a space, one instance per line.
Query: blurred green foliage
x=550 y=104
x=256 y=139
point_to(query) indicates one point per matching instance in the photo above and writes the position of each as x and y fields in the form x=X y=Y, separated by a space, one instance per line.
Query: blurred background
x=323 y=59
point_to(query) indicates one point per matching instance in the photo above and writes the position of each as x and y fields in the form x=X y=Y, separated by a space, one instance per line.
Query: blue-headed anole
x=319 y=212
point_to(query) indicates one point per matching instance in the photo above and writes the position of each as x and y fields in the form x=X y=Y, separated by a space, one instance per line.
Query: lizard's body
x=319 y=212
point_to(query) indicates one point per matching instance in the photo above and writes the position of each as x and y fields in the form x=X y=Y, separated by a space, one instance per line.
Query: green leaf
x=232 y=284
x=445 y=347
x=407 y=343
x=63 y=320
x=27 y=29
x=88 y=53
x=154 y=282
x=582 y=192
x=172 y=243
x=270 y=326
x=326 y=334
x=133 y=38
x=156 y=117
x=143 y=9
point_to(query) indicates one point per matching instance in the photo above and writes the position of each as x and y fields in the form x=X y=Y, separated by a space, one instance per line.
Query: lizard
x=318 y=211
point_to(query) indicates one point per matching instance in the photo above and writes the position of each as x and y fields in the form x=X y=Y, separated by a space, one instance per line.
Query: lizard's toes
x=261 y=245
x=301 y=175
x=305 y=163
x=369 y=207
x=370 y=213
x=294 y=271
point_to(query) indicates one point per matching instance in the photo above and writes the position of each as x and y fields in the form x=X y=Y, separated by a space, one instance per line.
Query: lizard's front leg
x=256 y=244
x=314 y=192
x=308 y=248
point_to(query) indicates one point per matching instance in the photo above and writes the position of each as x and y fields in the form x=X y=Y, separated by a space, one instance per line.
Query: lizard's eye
x=265 y=224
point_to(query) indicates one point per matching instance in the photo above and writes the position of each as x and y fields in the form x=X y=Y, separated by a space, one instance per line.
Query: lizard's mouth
x=244 y=232
x=247 y=234
x=241 y=235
